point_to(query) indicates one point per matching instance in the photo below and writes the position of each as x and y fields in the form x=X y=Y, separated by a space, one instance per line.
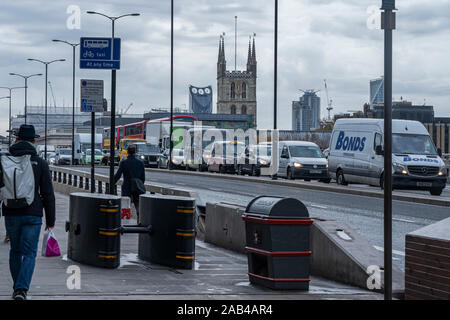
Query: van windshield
x=306 y=152
x=413 y=144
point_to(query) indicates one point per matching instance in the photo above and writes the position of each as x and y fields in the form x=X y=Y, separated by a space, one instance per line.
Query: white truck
x=158 y=133
x=357 y=155
x=82 y=142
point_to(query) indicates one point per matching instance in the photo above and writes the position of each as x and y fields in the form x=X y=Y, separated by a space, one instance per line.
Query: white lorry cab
x=357 y=155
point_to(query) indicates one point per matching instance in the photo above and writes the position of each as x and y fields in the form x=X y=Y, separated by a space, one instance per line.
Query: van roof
x=398 y=126
x=298 y=143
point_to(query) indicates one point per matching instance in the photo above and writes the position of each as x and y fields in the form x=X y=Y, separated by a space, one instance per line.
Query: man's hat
x=27 y=132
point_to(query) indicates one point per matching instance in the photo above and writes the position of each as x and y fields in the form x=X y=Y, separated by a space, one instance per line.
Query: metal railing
x=80 y=179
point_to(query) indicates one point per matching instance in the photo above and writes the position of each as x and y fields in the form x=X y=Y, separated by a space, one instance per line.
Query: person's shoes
x=20 y=294
x=6 y=239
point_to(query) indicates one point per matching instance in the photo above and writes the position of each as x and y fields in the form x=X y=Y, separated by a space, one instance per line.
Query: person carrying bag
x=133 y=171
x=26 y=190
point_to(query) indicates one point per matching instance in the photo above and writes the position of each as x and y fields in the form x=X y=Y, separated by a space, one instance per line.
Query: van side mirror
x=439 y=151
x=379 y=150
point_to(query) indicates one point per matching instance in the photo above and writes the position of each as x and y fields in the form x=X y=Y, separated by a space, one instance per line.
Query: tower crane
x=128 y=108
x=329 y=102
x=51 y=89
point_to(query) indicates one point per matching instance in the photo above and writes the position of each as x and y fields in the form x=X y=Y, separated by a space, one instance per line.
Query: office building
x=306 y=112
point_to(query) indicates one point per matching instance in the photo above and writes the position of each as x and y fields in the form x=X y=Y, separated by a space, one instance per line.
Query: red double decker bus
x=137 y=130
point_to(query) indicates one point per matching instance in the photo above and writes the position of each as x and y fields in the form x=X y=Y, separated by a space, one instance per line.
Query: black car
x=148 y=153
x=254 y=158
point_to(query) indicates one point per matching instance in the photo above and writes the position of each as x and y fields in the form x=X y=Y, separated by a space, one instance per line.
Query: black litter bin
x=277 y=242
x=172 y=241
x=94 y=229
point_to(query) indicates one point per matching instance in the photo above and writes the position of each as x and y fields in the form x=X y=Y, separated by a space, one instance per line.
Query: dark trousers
x=135 y=200
x=24 y=233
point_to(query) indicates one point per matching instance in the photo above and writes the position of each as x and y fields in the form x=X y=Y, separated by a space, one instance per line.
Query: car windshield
x=65 y=152
x=306 y=152
x=147 y=148
x=98 y=153
x=413 y=144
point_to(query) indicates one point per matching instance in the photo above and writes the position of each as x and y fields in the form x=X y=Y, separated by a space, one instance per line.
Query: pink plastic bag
x=50 y=247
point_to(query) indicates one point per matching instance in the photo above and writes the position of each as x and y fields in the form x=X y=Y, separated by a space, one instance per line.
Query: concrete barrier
x=225 y=227
x=341 y=254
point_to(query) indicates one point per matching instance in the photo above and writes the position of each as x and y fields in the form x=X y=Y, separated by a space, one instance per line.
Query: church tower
x=236 y=90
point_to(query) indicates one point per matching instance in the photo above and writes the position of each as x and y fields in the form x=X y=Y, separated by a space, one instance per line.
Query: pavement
x=218 y=275
x=363 y=214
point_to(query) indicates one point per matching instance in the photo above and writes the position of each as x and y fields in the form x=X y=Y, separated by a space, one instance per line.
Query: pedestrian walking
x=133 y=171
x=27 y=192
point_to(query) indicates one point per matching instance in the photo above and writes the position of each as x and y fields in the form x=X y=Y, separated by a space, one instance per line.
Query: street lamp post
x=388 y=24
x=46 y=63
x=26 y=87
x=275 y=95
x=10 y=95
x=73 y=45
x=171 y=87
x=112 y=144
x=9 y=117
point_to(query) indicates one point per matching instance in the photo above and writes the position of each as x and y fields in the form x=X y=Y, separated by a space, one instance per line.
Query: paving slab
x=218 y=274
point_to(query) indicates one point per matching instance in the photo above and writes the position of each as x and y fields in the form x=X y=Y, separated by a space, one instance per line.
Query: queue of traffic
x=355 y=153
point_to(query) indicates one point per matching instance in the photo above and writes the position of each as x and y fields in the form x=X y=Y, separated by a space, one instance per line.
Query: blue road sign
x=98 y=53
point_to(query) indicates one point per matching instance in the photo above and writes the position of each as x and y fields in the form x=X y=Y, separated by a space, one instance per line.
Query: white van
x=357 y=148
x=302 y=160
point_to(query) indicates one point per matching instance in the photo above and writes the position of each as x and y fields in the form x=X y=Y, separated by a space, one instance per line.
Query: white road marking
x=403 y=220
x=399 y=253
x=317 y=206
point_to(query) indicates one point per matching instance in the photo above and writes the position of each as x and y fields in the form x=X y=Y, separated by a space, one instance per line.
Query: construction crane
x=128 y=108
x=51 y=89
x=329 y=102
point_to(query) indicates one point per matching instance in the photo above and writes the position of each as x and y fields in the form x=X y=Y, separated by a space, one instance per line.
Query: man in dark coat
x=131 y=168
x=23 y=225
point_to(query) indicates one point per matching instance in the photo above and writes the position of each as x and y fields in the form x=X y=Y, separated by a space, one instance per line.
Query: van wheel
x=340 y=178
x=290 y=174
x=436 y=191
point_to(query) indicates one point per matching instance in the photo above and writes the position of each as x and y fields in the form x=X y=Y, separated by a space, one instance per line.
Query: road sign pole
x=92 y=152
x=73 y=107
x=112 y=146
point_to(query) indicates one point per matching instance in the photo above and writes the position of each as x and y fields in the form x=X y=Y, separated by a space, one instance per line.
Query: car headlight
x=399 y=168
x=441 y=171
x=297 y=165
x=262 y=162
x=175 y=161
x=142 y=157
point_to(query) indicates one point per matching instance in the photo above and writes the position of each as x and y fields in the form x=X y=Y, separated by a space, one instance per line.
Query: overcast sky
x=318 y=39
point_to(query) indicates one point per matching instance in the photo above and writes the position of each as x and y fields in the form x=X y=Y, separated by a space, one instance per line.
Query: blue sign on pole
x=100 y=53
